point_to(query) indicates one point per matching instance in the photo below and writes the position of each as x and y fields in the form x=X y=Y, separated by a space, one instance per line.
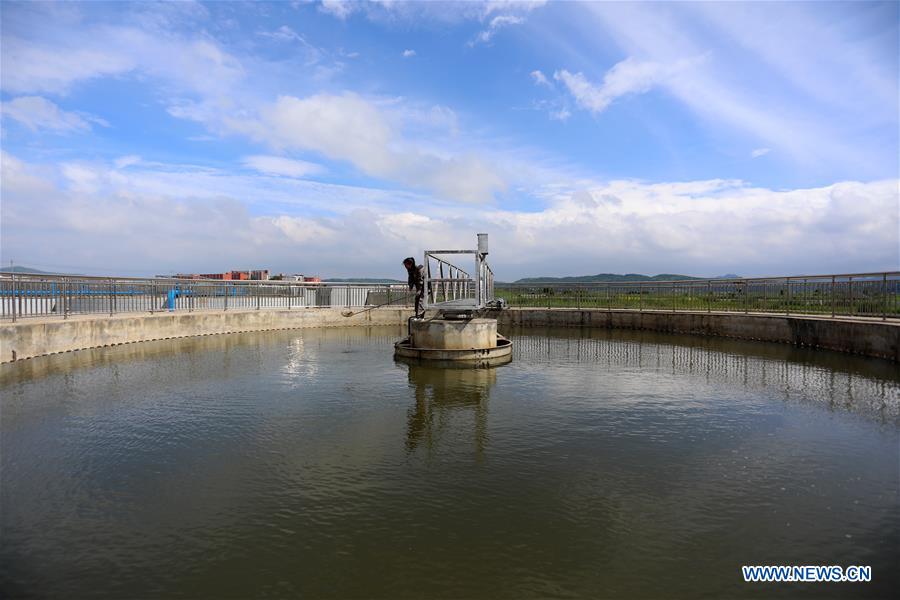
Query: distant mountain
x=359 y=280
x=607 y=277
x=21 y=269
x=727 y=276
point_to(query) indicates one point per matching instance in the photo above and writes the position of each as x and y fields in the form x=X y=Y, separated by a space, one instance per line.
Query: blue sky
x=336 y=138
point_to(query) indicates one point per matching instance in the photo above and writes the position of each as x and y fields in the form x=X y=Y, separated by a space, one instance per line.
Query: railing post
x=850 y=285
x=884 y=302
x=640 y=297
x=19 y=296
x=832 y=296
x=112 y=297
x=257 y=296
x=787 y=305
x=225 y=288
x=746 y=297
x=13 y=297
x=708 y=296
x=65 y=297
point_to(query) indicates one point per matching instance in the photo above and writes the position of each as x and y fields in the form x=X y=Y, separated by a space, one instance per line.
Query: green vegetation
x=612 y=277
x=818 y=301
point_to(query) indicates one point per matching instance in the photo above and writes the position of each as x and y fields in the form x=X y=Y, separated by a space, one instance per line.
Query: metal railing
x=449 y=286
x=875 y=295
x=34 y=295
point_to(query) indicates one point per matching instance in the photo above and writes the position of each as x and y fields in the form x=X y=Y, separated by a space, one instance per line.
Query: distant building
x=300 y=278
x=255 y=275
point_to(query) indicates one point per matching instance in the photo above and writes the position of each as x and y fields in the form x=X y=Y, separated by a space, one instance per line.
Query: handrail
x=456 y=289
x=41 y=295
x=873 y=294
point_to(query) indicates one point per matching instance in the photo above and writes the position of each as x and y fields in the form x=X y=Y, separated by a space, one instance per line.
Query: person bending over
x=416 y=280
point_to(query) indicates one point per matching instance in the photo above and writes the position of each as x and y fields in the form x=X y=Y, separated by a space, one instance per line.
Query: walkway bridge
x=450 y=288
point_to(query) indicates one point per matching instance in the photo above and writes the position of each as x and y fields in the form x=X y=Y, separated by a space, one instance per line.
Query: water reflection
x=443 y=393
x=836 y=380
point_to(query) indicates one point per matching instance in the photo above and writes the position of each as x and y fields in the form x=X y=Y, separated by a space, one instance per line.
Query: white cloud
x=630 y=76
x=540 y=79
x=30 y=67
x=127 y=161
x=39 y=113
x=850 y=89
x=416 y=11
x=339 y=8
x=195 y=65
x=350 y=128
x=278 y=165
x=695 y=227
x=562 y=114
x=409 y=53
x=760 y=152
x=283 y=34
x=495 y=25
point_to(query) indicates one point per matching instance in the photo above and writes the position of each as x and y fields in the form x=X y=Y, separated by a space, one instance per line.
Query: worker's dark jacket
x=416 y=277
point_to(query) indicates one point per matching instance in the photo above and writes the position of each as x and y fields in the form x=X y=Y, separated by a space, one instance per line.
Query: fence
x=29 y=295
x=846 y=295
x=854 y=295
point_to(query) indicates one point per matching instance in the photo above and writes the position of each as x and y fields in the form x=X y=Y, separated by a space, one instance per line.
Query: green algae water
x=310 y=464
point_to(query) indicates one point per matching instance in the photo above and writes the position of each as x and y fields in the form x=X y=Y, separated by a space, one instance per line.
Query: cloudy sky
x=336 y=138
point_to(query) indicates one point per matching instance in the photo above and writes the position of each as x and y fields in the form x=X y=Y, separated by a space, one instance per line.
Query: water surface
x=596 y=464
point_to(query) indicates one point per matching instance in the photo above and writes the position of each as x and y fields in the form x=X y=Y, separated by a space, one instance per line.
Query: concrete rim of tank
x=501 y=350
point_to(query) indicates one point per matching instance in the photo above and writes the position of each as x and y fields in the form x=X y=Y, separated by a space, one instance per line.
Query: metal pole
x=640 y=297
x=13 y=297
x=884 y=302
x=65 y=298
x=746 y=298
x=225 y=287
x=850 y=284
x=708 y=296
x=832 y=296
x=787 y=306
x=112 y=297
x=257 y=296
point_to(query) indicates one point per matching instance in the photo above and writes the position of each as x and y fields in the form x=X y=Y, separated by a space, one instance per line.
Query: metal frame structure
x=450 y=287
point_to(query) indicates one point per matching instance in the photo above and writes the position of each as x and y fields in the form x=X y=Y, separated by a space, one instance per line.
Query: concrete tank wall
x=454 y=334
x=868 y=337
x=36 y=337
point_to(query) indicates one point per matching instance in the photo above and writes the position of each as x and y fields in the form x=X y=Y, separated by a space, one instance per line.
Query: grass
x=698 y=300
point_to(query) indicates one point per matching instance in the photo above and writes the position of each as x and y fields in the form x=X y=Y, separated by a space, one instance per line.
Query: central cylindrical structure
x=453 y=334
x=473 y=341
